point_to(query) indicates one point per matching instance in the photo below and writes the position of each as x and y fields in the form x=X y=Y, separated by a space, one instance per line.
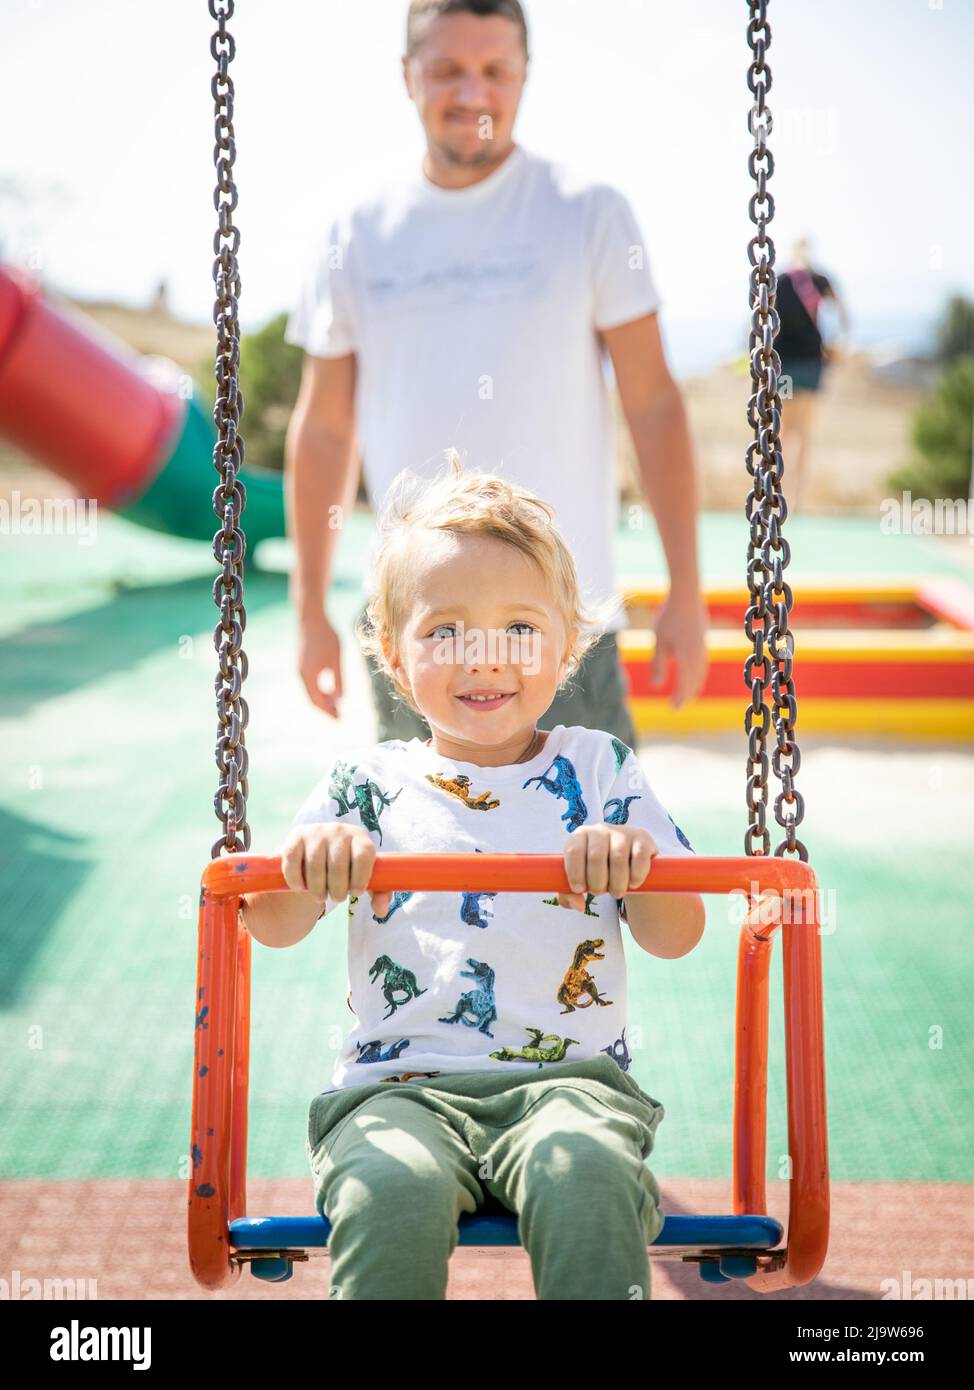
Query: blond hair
x=470 y=504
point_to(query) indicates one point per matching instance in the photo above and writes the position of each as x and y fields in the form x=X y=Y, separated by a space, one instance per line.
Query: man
x=470 y=306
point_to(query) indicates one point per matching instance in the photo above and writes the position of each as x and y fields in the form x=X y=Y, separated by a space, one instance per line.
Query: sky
x=106 y=165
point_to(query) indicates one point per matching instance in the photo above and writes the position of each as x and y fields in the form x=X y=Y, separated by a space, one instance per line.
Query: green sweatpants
x=395 y=1163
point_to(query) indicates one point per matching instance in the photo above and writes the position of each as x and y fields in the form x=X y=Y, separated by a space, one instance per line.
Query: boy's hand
x=331 y=861
x=606 y=859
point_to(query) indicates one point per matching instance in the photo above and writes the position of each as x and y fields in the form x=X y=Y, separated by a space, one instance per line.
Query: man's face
x=466 y=78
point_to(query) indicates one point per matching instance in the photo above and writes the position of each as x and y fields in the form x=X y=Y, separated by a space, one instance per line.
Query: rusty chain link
x=768 y=553
x=230 y=495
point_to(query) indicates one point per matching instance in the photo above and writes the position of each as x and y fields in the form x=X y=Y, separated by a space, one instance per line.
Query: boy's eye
x=442 y=627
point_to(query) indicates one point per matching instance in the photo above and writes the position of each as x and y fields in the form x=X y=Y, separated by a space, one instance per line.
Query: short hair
x=469 y=504
x=422 y=11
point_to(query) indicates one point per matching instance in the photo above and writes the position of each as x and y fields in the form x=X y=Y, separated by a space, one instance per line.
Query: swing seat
x=745 y=1245
x=271 y=1244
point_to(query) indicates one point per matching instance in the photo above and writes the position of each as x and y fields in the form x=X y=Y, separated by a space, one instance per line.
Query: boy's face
x=482 y=620
x=466 y=78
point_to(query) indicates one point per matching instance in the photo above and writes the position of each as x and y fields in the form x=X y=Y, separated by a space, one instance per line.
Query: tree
x=943 y=437
x=270 y=374
x=943 y=425
x=955 y=332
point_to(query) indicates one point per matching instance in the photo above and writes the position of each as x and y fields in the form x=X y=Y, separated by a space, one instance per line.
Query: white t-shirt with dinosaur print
x=451 y=981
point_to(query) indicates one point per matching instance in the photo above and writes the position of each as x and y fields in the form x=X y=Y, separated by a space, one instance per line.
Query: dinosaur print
x=372 y=1051
x=479 y=1001
x=534 y=1052
x=621 y=750
x=470 y=910
x=589 y=899
x=339 y=784
x=620 y=815
x=395 y=902
x=408 y=1075
x=679 y=834
x=396 y=977
x=578 y=981
x=564 y=785
x=619 y=1052
x=459 y=786
x=367 y=797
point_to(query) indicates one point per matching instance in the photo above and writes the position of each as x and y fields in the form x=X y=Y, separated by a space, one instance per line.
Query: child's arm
x=318 y=862
x=665 y=924
x=280 y=919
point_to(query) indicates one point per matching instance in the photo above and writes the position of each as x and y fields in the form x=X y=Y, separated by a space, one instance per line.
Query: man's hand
x=319 y=649
x=320 y=479
x=681 y=636
x=606 y=859
x=656 y=415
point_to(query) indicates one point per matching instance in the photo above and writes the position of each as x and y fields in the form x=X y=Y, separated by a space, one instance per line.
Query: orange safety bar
x=217 y=1185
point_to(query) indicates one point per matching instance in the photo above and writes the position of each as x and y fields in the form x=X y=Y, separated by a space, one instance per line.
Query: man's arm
x=653 y=406
x=318 y=457
x=320 y=481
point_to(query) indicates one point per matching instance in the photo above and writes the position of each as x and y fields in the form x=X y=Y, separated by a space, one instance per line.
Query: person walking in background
x=470 y=306
x=803 y=354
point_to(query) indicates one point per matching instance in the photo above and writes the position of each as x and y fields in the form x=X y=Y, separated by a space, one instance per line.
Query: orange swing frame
x=218 y=1181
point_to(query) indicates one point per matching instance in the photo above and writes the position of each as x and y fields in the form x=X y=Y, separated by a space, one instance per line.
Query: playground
x=107 y=655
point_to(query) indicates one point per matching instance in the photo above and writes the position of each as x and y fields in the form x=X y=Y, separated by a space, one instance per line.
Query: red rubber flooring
x=129 y=1236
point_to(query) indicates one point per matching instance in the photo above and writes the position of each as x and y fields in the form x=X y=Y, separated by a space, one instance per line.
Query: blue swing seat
x=720 y=1243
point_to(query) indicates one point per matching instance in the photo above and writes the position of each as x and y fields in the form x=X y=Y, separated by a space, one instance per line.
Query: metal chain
x=768 y=553
x=230 y=495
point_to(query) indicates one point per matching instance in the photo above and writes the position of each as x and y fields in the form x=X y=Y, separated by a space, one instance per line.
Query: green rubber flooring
x=106 y=823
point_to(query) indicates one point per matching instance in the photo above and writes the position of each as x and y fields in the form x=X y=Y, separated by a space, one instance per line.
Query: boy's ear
x=396 y=667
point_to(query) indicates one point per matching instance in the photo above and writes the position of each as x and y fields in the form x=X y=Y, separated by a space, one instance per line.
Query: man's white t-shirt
x=454 y=982
x=472 y=313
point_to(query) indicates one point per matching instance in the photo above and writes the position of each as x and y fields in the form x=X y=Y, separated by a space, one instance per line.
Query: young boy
x=489 y=1051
